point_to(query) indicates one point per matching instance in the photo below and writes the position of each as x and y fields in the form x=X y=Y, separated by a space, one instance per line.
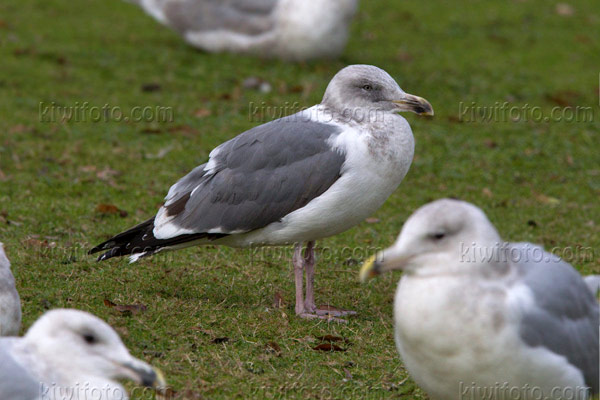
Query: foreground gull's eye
x=367 y=87
x=438 y=235
x=90 y=338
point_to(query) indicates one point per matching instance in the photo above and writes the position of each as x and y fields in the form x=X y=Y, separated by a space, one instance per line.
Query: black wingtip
x=109 y=254
x=140 y=240
x=116 y=245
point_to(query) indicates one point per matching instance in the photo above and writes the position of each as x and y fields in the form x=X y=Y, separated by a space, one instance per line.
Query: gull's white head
x=369 y=87
x=436 y=234
x=82 y=349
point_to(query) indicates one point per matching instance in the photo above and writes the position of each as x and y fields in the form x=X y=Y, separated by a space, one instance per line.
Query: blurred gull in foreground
x=288 y=29
x=69 y=354
x=10 y=304
x=479 y=318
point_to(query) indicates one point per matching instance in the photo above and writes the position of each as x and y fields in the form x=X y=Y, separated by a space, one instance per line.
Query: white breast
x=460 y=339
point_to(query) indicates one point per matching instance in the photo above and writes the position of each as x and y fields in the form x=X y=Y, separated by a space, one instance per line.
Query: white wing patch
x=164 y=228
x=212 y=160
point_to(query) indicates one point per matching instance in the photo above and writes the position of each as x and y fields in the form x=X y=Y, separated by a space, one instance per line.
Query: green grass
x=53 y=176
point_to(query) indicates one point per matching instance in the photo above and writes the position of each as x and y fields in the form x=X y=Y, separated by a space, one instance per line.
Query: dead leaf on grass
x=273 y=347
x=328 y=347
x=489 y=143
x=332 y=338
x=278 y=301
x=151 y=87
x=151 y=131
x=564 y=98
x=104 y=208
x=126 y=308
x=202 y=113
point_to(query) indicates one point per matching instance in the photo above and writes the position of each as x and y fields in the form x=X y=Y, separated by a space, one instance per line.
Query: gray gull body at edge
x=288 y=29
x=10 y=304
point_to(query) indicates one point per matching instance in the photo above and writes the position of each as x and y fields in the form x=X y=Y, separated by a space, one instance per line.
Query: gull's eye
x=367 y=87
x=438 y=235
x=90 y=338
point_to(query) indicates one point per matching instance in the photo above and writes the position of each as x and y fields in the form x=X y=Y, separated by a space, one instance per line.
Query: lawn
x=211 y=321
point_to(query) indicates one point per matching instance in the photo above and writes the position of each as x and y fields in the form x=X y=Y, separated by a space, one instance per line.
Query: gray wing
x=254 y=179
x=566 y=319
x=250 y=17
x=15 y=382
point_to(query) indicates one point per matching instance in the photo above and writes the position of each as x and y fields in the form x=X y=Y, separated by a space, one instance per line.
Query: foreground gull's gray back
x=15 y=382
x=259 y=177
x=10 y=303
x=566 y=320
x=252 y=180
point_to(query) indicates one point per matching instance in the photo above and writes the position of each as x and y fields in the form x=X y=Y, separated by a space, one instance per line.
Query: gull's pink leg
x=308 y=306
x=309 y=266
x=298 y=263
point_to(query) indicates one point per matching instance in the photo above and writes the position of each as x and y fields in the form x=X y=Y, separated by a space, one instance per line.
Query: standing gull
x=10 y=304
x=288 y=29
x=296 y=179
x=476 y=317
x=69 y=354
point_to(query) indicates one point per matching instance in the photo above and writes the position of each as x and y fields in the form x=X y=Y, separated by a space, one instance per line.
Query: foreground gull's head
x=81 y=348
x=438 y=231
x=369 y=87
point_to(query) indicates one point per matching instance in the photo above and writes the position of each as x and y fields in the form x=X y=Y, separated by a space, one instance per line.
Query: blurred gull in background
x=287 y=29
